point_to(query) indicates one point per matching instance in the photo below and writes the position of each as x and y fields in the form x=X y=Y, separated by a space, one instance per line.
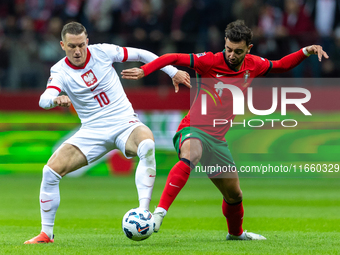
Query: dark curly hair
x=73 y=28
x=237 y=31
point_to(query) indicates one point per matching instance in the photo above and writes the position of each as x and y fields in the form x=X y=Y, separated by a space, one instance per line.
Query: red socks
x=176 y=180
x=234 y=215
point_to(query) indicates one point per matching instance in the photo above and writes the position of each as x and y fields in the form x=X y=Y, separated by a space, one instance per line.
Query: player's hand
x=181 y=77
x=317 y=50
x=63 y=101
x=132 y=73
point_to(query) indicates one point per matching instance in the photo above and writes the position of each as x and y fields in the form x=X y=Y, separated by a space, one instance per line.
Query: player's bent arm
x=145 y=56
x=166 y=59
x=47 y=99
x=50 y=99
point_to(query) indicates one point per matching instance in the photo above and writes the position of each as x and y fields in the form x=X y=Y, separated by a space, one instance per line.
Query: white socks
x=49 y=199
x=145 y=177
x=161 y=210
x=146 y=172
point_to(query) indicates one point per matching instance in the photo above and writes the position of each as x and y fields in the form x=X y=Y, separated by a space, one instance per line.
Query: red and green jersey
x=212 y=69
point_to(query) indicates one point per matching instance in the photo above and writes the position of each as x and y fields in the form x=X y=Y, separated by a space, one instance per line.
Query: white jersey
x=95 y=90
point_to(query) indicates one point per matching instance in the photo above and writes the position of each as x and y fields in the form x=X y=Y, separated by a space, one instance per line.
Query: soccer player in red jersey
x=197 y=140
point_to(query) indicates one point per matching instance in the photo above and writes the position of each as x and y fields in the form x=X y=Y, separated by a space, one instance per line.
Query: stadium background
x=297 y=215
x=29 y=46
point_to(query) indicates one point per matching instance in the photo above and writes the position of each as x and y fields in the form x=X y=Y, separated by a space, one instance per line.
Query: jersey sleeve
x=114 y=52
x=55 y=81
x=164 y=60
x=53 y=89
x=47 y=99
x=145 y=56
x=189 y=60
x=263 y=66
x=201 y=62
x=288 y=62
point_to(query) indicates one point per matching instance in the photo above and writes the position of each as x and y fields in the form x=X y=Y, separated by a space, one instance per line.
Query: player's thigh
x=225 y=177
x=229 y=185
x=139 y=134
x=67 y=158
x=191 y=149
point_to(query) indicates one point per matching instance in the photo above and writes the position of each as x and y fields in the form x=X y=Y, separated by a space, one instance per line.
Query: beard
x=236 y=64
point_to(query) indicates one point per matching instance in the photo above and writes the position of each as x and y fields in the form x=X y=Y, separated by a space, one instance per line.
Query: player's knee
x=192 y=156
x=146 y=151
x=67 y=159
x=238 y=196
x=50 y=175
x=235 y=196
x=146 y=170
x=188 y=163
x=60 y=169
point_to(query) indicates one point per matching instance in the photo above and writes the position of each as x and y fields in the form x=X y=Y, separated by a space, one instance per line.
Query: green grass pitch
x=297 y=215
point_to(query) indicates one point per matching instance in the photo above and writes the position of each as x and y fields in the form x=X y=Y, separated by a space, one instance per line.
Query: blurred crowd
x=30 y=31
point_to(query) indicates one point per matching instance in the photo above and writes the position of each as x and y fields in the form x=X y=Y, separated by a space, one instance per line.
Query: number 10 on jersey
x=102 y=99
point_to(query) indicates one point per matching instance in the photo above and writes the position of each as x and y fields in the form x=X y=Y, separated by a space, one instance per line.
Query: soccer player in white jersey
x=108 y=120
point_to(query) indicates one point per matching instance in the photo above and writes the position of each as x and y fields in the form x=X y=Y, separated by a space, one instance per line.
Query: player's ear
x=249 y=47
x=62 y=45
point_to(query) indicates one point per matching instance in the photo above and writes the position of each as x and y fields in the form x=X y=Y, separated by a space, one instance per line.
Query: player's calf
x=146 y=172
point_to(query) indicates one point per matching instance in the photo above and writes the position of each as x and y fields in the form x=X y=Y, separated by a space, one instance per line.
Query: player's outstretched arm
x=316 y=50
x=145 y=56
x=138 y=73
x=148 y=57
x=294 y=59
x=167 y=59
x=164 y=60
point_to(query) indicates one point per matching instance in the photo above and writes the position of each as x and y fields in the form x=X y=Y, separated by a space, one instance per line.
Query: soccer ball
x=138 y=224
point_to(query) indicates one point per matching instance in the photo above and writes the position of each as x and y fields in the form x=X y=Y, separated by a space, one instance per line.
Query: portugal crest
x=246 y=76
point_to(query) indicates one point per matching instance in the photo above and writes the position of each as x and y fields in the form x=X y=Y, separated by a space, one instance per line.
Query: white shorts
x=99 y=137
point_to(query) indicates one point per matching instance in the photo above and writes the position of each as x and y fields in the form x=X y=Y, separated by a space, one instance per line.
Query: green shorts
x=215 y=152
